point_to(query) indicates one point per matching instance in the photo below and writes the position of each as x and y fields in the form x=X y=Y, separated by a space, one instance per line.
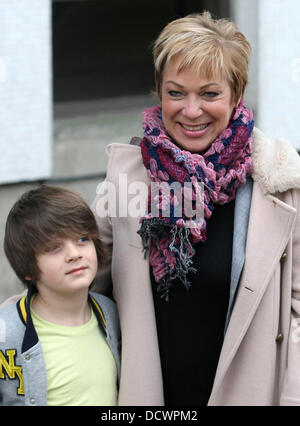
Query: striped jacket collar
x=30 y=336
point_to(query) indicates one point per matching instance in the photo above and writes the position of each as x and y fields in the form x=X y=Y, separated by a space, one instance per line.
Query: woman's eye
x=174 y=93
x=211 y=94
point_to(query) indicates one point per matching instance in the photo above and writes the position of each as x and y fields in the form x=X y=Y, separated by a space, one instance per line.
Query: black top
x=191 y=325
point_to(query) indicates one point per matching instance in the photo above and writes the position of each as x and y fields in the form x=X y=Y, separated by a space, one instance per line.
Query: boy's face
x=70 y=265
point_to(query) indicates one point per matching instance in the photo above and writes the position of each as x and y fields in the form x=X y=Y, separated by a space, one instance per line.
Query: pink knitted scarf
x=212 y=178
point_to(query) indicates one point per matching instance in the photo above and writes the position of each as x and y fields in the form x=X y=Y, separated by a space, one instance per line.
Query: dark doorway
x=102 y=48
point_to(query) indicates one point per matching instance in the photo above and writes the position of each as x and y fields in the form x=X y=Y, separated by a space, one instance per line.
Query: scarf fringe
x=180 y=246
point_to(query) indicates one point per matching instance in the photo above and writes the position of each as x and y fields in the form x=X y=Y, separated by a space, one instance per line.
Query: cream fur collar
x=276 y=163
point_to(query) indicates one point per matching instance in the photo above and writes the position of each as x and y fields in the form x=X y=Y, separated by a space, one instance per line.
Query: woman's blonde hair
x=216 y=48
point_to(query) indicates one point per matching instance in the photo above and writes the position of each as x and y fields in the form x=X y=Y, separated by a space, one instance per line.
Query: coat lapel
x=241 y=220
x=270 y=225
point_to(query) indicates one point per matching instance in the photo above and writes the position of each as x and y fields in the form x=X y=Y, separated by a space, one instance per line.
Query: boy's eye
x=83 y=239
x=53 y=247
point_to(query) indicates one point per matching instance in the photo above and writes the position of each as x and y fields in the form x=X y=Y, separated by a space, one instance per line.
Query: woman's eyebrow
x=176 y=84
x=201 y=88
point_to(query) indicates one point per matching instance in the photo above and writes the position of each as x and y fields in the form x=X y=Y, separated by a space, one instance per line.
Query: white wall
x=25 y=90
x=279 y=80
x=246 y=19
x=273 y=29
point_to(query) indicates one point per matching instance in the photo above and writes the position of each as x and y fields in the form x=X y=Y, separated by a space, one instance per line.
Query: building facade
x=54 y=54
x=25 y=90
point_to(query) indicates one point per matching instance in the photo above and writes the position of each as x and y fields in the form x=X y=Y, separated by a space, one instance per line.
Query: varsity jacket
x=22 y=368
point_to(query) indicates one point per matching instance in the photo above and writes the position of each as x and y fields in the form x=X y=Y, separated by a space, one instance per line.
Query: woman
x=231 y=339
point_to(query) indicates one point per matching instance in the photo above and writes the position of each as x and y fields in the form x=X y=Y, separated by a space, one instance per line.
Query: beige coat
x=260 y=359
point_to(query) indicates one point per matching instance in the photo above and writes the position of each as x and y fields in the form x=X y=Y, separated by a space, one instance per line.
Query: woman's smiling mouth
x=194 y=127
x=193 y=131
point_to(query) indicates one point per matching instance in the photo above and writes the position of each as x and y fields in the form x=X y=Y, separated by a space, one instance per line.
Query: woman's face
x=194 y=110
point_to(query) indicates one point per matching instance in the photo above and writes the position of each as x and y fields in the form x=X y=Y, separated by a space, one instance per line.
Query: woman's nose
x=72 y=251
x=192 y=108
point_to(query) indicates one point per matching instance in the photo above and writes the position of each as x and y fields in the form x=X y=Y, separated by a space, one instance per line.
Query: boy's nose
x=72 y=251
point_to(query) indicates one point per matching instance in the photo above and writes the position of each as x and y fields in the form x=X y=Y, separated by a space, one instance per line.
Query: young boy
x=59 y=344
